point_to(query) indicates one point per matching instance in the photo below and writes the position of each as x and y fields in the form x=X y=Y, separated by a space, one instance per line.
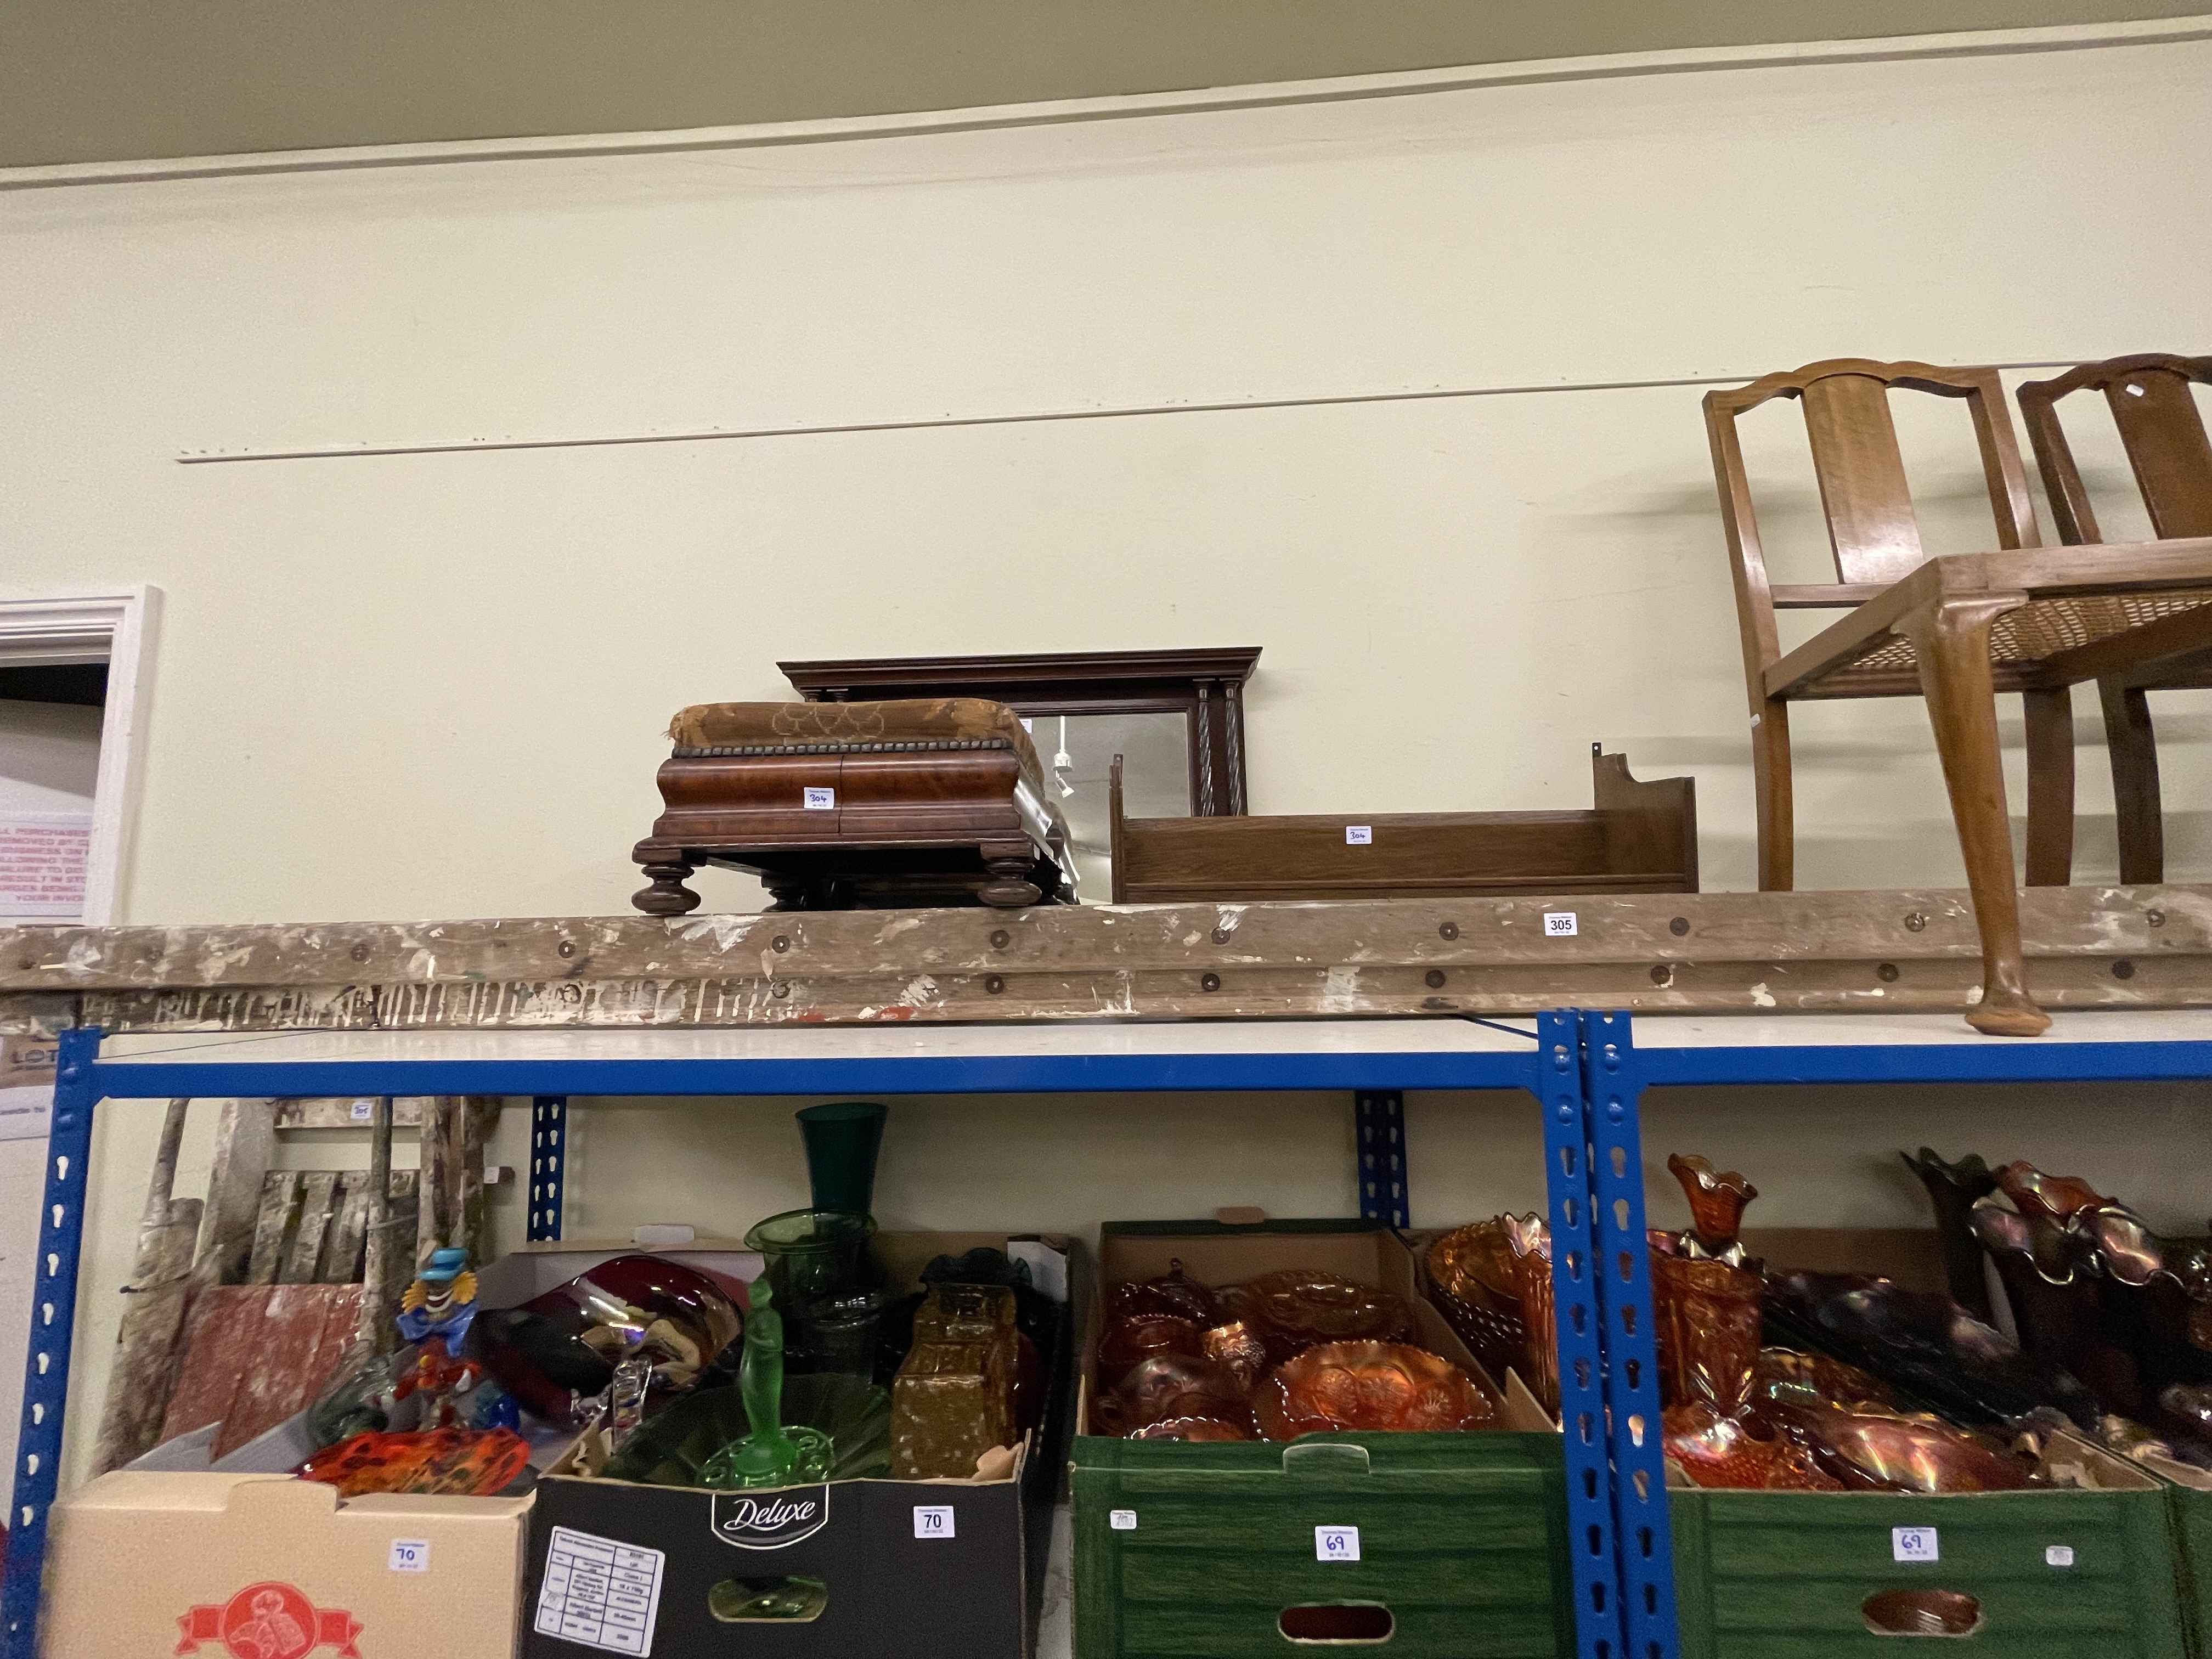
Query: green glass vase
x=842 y=1140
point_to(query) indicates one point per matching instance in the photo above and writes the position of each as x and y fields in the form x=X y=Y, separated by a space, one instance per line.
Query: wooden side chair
x=1955 y=629
x=2163 y=433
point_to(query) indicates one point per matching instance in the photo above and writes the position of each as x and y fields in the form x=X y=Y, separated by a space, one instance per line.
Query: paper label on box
x=1560 y=924
x=600 y=1592
x=1913 y=1544
x=1121 y=1520
x=409 y=1555
x=821 y=800
x=2058 y=1555
x=1358 y=834
x=932 y=1521
x=1336 y=1543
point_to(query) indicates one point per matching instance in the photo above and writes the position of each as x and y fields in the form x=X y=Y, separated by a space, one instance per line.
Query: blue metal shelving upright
x=1612 y=1462
x=53 y=1324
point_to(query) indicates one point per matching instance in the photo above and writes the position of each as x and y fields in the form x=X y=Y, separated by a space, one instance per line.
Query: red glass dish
x=565 y=1343
x=1370 y=1385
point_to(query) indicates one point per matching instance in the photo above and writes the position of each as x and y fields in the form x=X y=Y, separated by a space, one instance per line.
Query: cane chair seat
x=2020 y=642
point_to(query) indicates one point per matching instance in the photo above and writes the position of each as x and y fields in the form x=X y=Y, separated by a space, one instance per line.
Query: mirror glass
x=1155 y=750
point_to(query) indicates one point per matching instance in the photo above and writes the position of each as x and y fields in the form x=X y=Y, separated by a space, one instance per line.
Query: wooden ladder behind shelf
x=241 y=1306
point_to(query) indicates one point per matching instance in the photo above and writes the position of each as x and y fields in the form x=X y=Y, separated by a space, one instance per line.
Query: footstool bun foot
x=667 y=896
x=1010 y=887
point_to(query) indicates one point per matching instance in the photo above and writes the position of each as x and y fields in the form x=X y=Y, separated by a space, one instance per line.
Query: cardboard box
x=2046 y=1569
x=289 y=1533
x=1439 y=1544
x=911 y=1569
x=273 y=1568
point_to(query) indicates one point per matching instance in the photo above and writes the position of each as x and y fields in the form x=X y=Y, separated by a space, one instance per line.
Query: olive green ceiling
x=122 y=80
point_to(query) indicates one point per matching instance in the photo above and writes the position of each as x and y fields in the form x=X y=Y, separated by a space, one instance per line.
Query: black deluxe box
x=914 y=1569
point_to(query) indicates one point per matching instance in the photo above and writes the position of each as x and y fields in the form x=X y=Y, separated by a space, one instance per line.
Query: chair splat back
x=1864 y=493
x=2161 y=427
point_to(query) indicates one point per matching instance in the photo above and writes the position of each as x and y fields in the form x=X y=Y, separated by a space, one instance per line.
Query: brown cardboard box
x=268 y=1567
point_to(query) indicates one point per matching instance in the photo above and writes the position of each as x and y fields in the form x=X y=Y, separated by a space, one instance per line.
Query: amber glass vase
x=1709 y=1322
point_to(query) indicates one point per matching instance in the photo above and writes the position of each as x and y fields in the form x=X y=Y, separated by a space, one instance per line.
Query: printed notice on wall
x=27 y=1086
x=42 y=858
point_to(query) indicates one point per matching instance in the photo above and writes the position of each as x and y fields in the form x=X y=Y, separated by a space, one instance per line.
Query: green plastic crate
x=2190 y=1491
x=1199 y=1550
x=1462 y=1538
x=2054 y=1572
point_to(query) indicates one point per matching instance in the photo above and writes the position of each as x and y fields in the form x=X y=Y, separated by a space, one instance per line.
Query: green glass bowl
x=671 y=1448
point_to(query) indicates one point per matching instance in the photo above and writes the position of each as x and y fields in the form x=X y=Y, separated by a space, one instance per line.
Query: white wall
x=433 y=685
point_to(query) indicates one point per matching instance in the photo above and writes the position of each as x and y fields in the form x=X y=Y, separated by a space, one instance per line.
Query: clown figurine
x=435 y=1315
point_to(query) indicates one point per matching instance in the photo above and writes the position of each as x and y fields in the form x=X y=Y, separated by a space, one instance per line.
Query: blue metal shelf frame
x=1378 y=1123
x=549 y=1166
x=1611 y=1096
x=53 y=1324
x=1578 y=1315
x=1991 y=1059
x=931 y=1074
x=1551 y=1069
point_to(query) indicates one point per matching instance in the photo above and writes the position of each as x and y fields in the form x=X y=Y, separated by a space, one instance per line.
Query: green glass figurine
x=769 y=1455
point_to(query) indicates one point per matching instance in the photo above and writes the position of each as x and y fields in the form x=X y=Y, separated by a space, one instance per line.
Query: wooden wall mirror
x=1177 y=717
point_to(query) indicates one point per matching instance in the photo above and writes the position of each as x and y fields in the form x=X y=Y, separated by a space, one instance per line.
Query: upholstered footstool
x=838 y=805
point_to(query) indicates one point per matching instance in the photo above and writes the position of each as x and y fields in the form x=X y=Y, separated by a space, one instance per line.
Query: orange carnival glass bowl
x=1369 y=1386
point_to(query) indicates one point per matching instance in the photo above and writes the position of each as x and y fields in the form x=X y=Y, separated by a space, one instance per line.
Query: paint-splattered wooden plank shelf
x=1897 y=950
